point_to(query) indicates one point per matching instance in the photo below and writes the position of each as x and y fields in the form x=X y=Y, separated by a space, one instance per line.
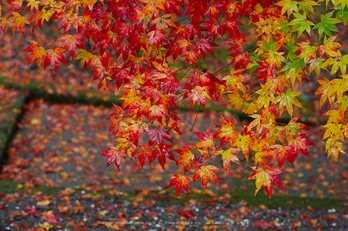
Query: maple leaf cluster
x=135 y=44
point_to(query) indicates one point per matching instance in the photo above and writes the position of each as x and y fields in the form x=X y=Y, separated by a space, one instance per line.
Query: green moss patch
x=11 y=105
x=168 y=197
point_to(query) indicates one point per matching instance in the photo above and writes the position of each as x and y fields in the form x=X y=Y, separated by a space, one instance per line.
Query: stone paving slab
x=60 y=145
x=11 y=104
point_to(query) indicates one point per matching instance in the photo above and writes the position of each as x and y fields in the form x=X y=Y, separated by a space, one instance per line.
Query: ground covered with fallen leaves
x=59 y=145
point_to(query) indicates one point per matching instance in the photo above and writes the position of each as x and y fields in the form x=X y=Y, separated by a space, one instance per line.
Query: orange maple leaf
x=186 y=155
x=206 y=173
x=265 y=178
x=19 y=21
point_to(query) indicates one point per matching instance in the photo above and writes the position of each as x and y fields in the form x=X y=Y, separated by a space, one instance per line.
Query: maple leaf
x=179 y=181
x=284 y=152
x=157 y=136
x=36 y=53
x=307 y=51
x=169 y=85
x=327 y=90
x=204 y=46
x=16 y=5
x=115 y=117
x=207 y=140
x=213 y=29
x=156 y=37
x=19 y=21
x=33 y=4
x=226 y=132
x=186 y=155
x=53 y=56
x=301 y=24
x=240 y=59
x=300 y=144
x=288 y=6
x=265 y=71
x=260 y=146
x=266 y=177
x=307 y=6
x=327 y=24
x=330 y=48
x=71 y=41
x=3 y=22
x=206 y=173
x=235 y=79
x=157 y=111
x=244 y=140
x=228 y=156
x=85 y=56
x=192 y=56
x=145 y=151
x=164 y=154
x=275 y=58
x=287 y=99
x=198 y=93
x=214 y=10
x=114 y=156
x=316 y=64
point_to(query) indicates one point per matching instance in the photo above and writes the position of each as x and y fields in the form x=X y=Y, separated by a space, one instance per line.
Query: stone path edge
x=81 y=98
x=8 y=131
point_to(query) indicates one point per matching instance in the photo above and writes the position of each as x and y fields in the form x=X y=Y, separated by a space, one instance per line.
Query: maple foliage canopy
x=134 y=44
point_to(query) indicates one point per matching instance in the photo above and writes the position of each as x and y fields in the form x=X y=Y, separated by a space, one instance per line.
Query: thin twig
x=182 y=68
x=183 y=19
x=185 y=73
x=194 y=122
x=181 y=94
x=221 y=69
x=53 y=41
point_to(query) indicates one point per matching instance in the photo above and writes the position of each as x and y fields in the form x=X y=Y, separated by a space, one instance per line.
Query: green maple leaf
x=288 y=6
x=315 y=64
x=301 y=24
x=287 y=100
x=343 y=64
x=292 y=48
x=342 y=13
x=307 y=6
x=327 y=24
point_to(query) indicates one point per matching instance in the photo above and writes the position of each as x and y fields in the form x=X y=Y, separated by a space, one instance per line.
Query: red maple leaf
x=192 y=56
x=284 y=152
x=71 y=41
x=53 y=56
x=300 y=144
x=179 y=181
x=114 y=156
x=157 y=136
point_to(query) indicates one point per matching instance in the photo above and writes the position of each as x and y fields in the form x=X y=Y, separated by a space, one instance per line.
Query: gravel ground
x=75 y=211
